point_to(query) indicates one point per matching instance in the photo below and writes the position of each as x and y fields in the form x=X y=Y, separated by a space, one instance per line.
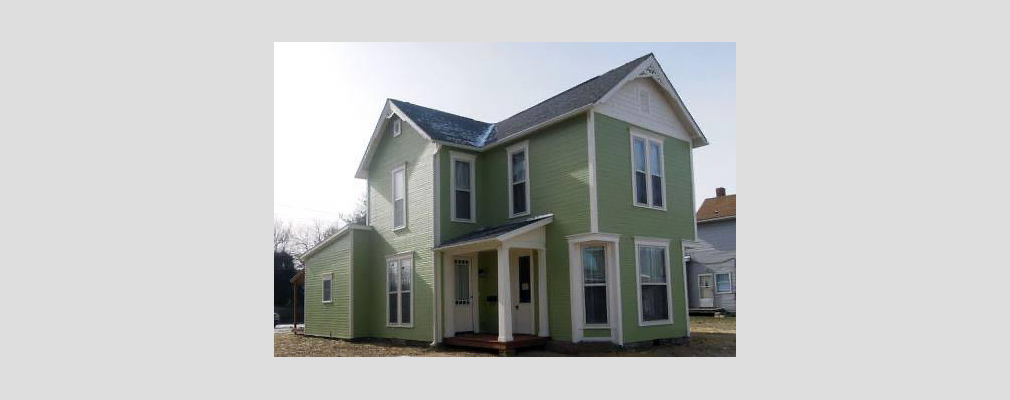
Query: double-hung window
x=463 y=184
x=399 y=281
x=328 y=287
x=400 y=197
x=723 y=283
x=519 y=181
x=653 y=267
x=649 y=188
x=594 y=283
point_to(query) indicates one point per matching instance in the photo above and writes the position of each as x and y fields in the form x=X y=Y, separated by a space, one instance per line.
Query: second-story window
x=400 y=197
x=648 y=185
x=463 y=185
x=519 y=182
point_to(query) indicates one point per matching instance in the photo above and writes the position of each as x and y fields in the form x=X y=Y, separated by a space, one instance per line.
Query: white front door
x=522 y=292
x=706 y=294
x=463 y=309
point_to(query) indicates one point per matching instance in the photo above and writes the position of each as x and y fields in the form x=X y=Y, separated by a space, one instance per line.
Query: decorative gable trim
x=650 y=68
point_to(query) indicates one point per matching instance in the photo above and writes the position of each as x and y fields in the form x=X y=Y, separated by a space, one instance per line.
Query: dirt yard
x=710 y=337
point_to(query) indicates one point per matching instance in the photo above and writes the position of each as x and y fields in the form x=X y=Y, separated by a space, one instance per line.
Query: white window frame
x=577 y=301
x=472 y=160
x=605 y=284
x=397 y=127
x=392 y=192
x=322 y=287
x=648 y=138
x=399 y=258
x=665 y=244
x=715 y=281
x=523 y=146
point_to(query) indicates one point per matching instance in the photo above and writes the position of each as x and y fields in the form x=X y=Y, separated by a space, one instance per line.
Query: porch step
x=490 y=341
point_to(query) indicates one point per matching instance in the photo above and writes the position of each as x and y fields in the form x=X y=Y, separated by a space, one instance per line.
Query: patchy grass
x=710 y=337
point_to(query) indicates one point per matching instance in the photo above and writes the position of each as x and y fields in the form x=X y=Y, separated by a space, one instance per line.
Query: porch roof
x=499 y=232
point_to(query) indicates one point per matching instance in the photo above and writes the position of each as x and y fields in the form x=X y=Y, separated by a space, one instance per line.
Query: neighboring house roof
x=498 y=232
x=451 y=129
x=717 y=208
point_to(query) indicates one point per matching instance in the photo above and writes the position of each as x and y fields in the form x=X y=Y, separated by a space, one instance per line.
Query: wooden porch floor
x=490 y=341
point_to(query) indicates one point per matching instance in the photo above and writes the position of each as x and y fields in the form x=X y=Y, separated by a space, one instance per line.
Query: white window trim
x=392 y=177
x=469 y=158
x=715 y=281
x=665 y=244
x=637 y=133
x=397 y=127
x=614 y=310
x=399 y=288
x=322 y=289
x=525 y=147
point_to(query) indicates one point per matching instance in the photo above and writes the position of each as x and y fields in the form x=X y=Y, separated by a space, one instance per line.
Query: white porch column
x=504 y=295
x=542 y=295
x=449 y=294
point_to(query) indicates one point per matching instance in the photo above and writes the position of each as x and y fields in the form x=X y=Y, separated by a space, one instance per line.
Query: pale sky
x=328 y=96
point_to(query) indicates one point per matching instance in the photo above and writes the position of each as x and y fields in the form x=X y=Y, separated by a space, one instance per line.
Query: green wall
x=329 y=319
x=417 y=237
x=618 y=215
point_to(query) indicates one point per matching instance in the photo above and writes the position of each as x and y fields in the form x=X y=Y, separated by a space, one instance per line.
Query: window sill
x=328 y=302
x=649 y=207
x=465 y=221
x=730 y=292
x=396 y=229
x=522 y=214
x=589 y=326
x=399 y=326
x=656 y=323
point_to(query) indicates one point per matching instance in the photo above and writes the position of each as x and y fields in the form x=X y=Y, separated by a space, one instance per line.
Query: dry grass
x=710 y=337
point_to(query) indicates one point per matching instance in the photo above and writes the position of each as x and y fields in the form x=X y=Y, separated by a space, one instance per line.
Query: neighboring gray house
x=711 y=262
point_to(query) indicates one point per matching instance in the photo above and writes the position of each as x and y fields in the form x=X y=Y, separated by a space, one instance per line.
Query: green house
x=565 y=222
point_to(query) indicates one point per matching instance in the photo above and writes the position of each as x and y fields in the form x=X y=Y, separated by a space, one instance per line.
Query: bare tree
x=283 y=236
x=360 y=214
x=313 y=234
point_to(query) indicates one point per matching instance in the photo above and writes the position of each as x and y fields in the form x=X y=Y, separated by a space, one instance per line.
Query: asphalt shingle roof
x=457 y=129
x=493 y=231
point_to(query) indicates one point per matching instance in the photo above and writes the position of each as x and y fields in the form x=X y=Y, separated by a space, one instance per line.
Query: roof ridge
x=443 y=112
x=639 y=59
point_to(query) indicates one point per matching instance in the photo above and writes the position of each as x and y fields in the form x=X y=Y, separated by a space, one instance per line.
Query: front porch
x=494 y=284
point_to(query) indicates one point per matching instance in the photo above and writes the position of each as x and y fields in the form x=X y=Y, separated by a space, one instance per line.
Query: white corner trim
x=523 y=146
x=665 y=244
x=472 y=159
x=594 y=214
x=694 y=207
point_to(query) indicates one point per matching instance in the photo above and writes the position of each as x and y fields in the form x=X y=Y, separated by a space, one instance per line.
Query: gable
x=626 y=104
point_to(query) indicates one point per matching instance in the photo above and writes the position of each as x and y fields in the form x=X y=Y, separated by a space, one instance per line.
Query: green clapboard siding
x=329 y=319
x=617 y=214
x=559 y=184
x=596 y=333
x=417 y=237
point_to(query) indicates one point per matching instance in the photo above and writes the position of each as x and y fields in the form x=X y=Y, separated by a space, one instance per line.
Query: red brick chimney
x=719 y=192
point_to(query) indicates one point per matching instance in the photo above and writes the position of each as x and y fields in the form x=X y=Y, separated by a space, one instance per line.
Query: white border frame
x=468 y=158
x=665 y=244
x=715 y=281
x=399 y=288
x=647 y=138
x=392 y=194
x=322 y=288
x=525 y=147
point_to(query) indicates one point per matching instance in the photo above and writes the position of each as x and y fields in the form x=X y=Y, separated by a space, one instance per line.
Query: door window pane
x=462 y=282
x=524 y=279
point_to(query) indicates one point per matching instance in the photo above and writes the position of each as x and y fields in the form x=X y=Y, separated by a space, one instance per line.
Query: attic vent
x=643 y=97
x=396 y=127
